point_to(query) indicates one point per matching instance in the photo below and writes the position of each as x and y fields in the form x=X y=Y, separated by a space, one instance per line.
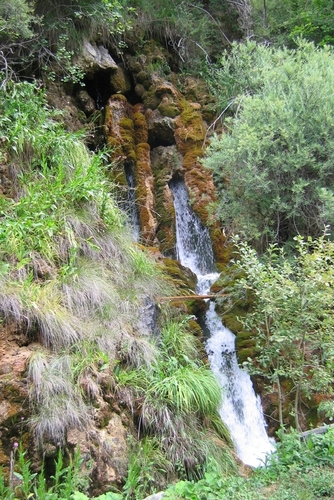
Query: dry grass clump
x=56 y=402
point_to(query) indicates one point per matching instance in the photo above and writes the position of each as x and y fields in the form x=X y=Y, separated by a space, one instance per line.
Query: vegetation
x=179 y=397
x=283 y=22
x=301 y=469
x=74 y=282
x=273 y=167
x=42 y=38
x=291 y=321
x=69 y=274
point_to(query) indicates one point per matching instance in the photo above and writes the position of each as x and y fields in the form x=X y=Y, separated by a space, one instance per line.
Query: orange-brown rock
x=145 y=194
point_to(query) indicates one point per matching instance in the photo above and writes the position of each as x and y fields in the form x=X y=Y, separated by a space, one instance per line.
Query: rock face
x=161 y=137
x=14 y=409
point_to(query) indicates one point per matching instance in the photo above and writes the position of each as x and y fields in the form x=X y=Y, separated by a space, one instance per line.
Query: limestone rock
x=86 y=102
x=95 y=58
x=104 y=452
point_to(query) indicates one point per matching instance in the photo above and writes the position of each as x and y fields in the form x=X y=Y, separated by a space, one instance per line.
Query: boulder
x=95 y=58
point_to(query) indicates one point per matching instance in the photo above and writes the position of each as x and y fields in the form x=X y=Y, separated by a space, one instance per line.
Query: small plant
x=147 y=470
x=26 y=484
x=178 y=400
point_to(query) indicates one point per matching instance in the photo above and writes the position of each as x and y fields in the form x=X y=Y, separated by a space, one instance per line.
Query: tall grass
x=177 y=401
x=56 y=401
x=70 y=276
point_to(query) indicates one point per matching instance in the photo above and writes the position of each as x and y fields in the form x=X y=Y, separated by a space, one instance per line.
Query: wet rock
x=160 y=128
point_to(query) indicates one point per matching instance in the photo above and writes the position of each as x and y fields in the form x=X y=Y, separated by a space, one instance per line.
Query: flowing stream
x=241 y=409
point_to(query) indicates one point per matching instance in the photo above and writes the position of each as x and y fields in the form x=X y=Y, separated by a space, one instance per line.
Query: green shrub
x=272 y=166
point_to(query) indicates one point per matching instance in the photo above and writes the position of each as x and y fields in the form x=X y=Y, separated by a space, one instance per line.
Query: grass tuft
x=56 y=401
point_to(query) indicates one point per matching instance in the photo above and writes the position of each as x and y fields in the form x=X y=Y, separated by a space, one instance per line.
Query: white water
x=130 y=206
x=241 y=409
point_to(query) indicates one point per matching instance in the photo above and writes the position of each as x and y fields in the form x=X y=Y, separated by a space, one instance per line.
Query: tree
x=282 y=21
x=15 y=20
x=244 y=9
x=273 y=165
x=292 y=317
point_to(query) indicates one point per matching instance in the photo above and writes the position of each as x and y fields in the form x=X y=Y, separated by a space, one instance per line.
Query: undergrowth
x=300 y=469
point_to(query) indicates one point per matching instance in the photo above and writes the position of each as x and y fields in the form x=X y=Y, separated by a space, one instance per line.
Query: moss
x=223 y=250
x=145 y=193
x=168 y=108
x=244 y=336
x=244 y=354
x=119 y=81
x=232 y=323
x=181 y=277
x=150 y=100
x=127 y=132
x=196 y=330
x=190 y=113
x=140 y=128
x=141 y=76
x=164 y=162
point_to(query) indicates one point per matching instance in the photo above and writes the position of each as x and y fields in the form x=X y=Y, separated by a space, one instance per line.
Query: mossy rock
x=181 y=277
x=165 y=161
x=120 y=81
x=196 y=329
x=244 y=354
x=168 y=108
x=127 y=132
x=144 y=182
x=243 y=336
x=140 y=128
x=142 y=76
x=232 y=323
x=118 y=97
x=150 y=100
x=244 y=344
x=222 y=249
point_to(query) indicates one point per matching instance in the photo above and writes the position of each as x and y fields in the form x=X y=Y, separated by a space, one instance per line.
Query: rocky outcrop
x=95 y=58
x=161 y=137
x=14 y=407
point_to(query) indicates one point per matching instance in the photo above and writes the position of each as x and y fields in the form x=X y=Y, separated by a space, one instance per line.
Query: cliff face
x=158 y=133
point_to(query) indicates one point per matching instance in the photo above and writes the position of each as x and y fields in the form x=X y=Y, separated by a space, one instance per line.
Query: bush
x=290 y=318
x=273 y=165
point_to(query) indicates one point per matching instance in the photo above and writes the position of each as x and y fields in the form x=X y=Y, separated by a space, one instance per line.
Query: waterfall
x=130 y=205
x=241 y=409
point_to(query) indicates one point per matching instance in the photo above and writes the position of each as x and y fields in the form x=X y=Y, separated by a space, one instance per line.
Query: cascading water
x=241 y=409
x=130 y=205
